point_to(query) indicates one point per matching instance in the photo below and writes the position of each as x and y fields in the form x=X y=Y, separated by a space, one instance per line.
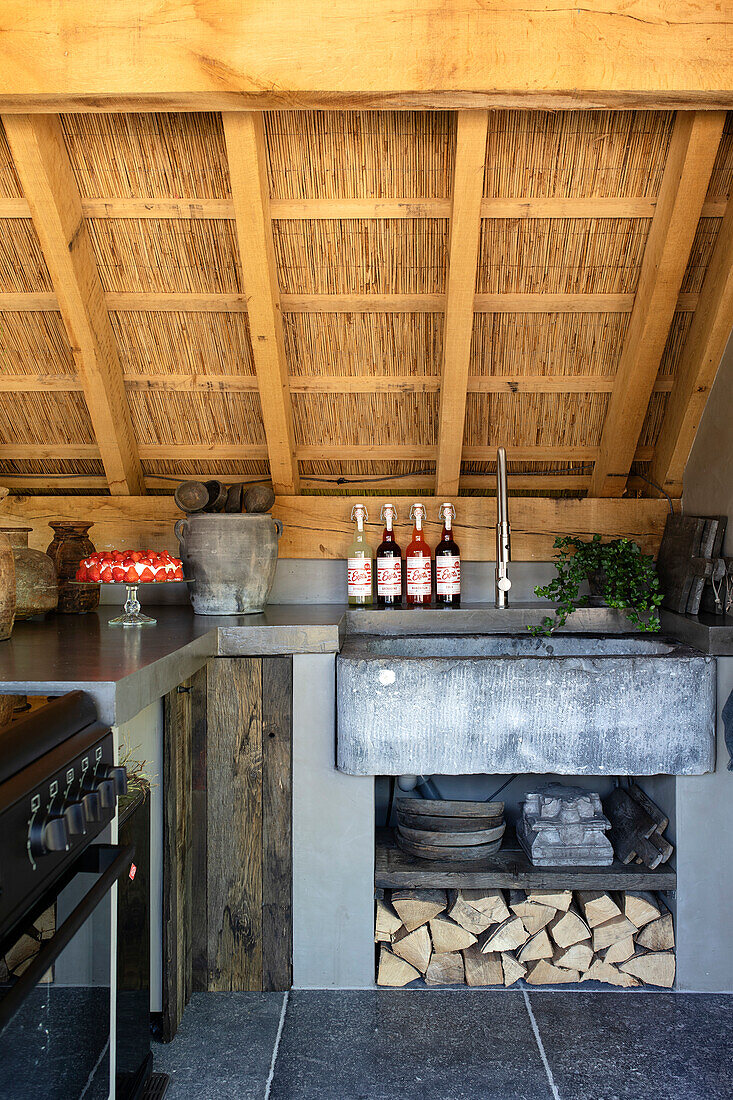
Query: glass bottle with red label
x=447 y=562
x=419 y=563
x=360 y=562
x=389 y=563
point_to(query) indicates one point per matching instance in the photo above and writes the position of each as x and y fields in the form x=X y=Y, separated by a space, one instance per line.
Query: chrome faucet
x=502 y=583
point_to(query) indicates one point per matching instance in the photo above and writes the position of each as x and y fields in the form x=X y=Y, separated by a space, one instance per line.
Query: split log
x=513 y=970
x=597 y=907
x=618 y=928
x=445 y=969
x=537 y=947
x=465 y=913
x=602 y=971
x=544 y=973
x=658 y=935
x=394 y=971
x=414 y=947
x=490 y=902
x=640 y=908
x=387 y=923
x=509 y=935
x=556 y=899
x=660 y=819
x=654 y=968
x=578 y=957
x=532 y=915
x=620 y=951
x=416 y=907
x=569 y=928
x=447 y=936
x=482 y=969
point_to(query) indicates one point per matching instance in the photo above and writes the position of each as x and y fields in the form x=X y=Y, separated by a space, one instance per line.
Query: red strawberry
x=136 y=555
x=117 y=555
x=178 y=575
x=118 y=573
x=131 y=576
x=105 y=574
x=81 y=573
x=146 y=575
x=93 y=573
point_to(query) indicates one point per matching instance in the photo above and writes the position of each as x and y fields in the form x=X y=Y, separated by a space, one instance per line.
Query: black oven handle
x=48 y=954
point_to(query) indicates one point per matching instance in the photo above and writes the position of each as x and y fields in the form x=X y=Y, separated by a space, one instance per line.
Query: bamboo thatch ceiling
x=362 y=208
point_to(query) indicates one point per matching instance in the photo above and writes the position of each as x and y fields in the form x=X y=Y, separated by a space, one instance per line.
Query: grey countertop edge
x=711 y=634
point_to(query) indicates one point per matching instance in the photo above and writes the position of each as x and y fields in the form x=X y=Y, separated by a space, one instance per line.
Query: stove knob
x=117 y=775
x=50 y=835
x=107 y=794
x=92 y=805
x=75 y=818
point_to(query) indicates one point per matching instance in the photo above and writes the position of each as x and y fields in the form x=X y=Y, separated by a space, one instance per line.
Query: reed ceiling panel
x=354 y=470
x=561 y=255
x=22 y=266
x=45 y=418
x=186 y=256
x=360 y=154
x=576 y=153
x=702 y=248
x=372 y=419
x=528 y=419
x=721 y=180
x=188 y=418
x=224 y=468
x=364 y=344
x=183 y=343
x=147 y=156
x=391 y=256
x=551 y=344
x=9 y=182
x=676 y=339
x=34 y=343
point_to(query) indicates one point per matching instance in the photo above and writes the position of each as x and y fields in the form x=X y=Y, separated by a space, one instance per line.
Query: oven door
x=55 y=1000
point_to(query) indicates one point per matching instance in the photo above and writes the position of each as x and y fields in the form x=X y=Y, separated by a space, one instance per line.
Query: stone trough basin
x=573 y=704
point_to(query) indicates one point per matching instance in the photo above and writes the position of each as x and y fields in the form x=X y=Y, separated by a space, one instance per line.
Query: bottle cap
x=360 y=509
x=417 y=509
x=383 y=513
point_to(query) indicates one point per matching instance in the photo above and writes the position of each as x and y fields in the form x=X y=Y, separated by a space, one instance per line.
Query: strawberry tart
x=122 y=567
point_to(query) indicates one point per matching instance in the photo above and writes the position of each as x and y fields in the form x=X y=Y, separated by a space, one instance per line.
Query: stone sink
x=572 y=704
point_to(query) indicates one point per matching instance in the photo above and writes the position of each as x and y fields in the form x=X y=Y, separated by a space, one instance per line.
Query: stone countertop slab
x=125 y=669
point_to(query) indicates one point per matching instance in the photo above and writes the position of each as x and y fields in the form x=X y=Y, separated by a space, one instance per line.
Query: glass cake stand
x=132 y=614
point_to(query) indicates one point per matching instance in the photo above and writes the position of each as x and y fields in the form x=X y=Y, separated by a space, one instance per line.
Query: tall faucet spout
x=503 y=533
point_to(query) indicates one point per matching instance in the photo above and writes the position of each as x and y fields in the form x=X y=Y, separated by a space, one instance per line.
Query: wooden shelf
x=509 y=869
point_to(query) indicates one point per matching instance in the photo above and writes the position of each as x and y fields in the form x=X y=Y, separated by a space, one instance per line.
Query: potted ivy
x=617 y=572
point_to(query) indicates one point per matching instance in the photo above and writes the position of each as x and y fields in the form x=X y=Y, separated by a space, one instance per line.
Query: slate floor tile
x=628 y=1046
x=411 y=1045
x=223 y=1049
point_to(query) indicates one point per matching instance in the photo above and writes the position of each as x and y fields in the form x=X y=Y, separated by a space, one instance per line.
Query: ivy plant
x=628 y=581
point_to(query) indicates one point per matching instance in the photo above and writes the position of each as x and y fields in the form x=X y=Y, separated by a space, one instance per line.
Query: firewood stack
x=547 y=937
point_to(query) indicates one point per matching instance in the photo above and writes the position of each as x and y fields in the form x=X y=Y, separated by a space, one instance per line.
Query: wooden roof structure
x=212 y=264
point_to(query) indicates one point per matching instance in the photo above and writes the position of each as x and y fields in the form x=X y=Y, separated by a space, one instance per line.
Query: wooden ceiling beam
x=44 y=169
x=153 y=55
x=706 y=341
x=247 y=155
x=465 y=230
x=692 y=151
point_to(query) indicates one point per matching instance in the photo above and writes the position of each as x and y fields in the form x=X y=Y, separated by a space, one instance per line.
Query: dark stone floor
x=452 y=1045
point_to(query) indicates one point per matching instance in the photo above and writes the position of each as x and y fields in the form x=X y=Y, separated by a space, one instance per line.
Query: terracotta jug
x=69 y=546
x=36 y=588
x=7 y=588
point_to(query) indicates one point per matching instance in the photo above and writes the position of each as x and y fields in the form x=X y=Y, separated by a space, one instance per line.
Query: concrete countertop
x=125 y=669
x=712 y=634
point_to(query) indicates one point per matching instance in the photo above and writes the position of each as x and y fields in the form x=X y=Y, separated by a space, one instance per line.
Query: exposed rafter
x=246 y=150
x=465 y=229
x=710 y=330
x=690 y=161
x=42 y=163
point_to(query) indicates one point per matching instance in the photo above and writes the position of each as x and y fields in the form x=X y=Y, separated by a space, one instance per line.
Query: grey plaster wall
x=708 y=480
x=333 y=844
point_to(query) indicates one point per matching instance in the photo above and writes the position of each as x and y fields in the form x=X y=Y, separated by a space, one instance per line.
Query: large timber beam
x=709 y=333
x=126 y=55
x=468 y=187
x=245 y=140
x=42 y=163
x=690 y=160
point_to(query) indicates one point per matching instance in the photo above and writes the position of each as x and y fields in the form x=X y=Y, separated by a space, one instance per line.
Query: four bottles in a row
x=414 y=582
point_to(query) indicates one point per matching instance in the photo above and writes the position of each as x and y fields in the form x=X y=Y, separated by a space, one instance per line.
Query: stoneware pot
x=231 y=560
x=7 y=588
x=69 y=546
x=36 y=587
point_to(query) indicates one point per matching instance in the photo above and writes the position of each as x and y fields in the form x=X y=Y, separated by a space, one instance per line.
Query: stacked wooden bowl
x=450 y=831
